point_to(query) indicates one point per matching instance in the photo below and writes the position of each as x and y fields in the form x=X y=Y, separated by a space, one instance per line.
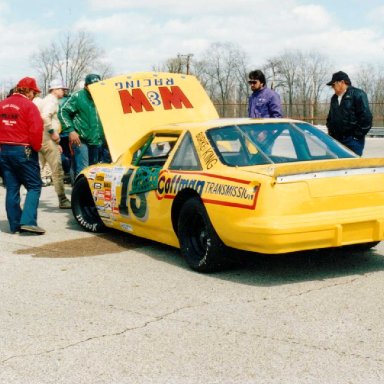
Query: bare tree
x=223 y=72
x=318 y=66
x=271 y=70
x=287 y=68
x=70 y=59
x=6 y=87
x=172 y=65
x=370 y=78
x=301 y=79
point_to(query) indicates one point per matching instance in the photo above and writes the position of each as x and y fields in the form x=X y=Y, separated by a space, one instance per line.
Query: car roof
x=213 y=123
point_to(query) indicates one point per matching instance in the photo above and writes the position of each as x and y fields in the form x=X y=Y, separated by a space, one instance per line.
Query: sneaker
x=64 y=204
x=32 y=229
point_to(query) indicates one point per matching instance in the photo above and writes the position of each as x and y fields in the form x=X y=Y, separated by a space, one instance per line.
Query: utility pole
x=187 y=59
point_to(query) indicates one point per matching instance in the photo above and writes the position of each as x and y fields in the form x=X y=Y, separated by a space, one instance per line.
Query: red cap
x=28 y=82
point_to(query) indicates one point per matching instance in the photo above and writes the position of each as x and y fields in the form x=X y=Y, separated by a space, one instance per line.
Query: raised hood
x=132 y=105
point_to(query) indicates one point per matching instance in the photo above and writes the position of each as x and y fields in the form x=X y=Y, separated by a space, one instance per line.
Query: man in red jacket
x=21 y=135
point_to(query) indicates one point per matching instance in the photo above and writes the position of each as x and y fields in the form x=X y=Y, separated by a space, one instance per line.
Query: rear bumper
x=276 y=235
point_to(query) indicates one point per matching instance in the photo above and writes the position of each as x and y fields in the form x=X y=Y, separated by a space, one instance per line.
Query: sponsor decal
x=91 y=175
x=104 y=215
x=135 y=204
x=136 y=100
x=108 y=195
x=170 y=185
x=126 y=227
x=145 y=180
x=213 y=189
x=229 y=190
x=144 y=83
x=100 y=195
x=206 y=152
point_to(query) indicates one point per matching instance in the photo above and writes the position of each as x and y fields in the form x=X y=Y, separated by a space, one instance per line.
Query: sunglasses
x=253 y=81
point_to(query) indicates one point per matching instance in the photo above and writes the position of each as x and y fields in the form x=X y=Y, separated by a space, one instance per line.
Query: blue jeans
x=83 y=156
x=354 y=144
x=20 y=166
x=105 y=156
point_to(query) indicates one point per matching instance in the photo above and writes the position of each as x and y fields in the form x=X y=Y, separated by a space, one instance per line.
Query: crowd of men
x=31 y=131
x=33 y=128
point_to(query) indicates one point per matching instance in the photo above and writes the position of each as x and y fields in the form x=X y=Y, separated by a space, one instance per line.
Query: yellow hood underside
x=132 y=105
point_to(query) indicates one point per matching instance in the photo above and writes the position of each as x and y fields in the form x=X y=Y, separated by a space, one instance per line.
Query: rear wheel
x=199 y=243
x=83 y=207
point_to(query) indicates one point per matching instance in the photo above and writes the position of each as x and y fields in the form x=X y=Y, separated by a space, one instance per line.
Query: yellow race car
x=183 y=177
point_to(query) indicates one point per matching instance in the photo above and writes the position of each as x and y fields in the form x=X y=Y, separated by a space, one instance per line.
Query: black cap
x=338 y=76
x=92 y=78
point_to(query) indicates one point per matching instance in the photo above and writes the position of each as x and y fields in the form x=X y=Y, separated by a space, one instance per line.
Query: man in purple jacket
x=263 y=102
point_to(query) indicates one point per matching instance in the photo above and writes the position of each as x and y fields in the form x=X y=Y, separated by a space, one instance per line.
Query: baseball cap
x=91 y=78
x=57 y=84
x=338 y=76
x=28 y=82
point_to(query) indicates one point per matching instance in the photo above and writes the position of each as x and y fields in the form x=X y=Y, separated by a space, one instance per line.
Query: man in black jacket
x=349 y=118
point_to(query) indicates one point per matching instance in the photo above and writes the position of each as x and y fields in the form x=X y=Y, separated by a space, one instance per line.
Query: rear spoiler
x=309 y=169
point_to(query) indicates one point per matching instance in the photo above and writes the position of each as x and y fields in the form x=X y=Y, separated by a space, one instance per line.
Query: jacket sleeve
x=35 y=127
x=67 y=113
x=330 y=123
x=250 y=114
x=48 y=111
x=363 y=113
x=275 y=106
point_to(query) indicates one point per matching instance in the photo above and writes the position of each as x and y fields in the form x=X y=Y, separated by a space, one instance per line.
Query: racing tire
x=200 y=245
x=83 y=207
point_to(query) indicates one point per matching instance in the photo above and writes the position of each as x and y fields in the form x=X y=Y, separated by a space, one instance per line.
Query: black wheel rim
x=199 y=235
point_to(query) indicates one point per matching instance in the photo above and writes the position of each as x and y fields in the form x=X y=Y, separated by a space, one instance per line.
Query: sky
x=138 y=35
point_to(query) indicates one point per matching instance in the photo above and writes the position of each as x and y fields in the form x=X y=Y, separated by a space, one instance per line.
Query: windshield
x=255 y=144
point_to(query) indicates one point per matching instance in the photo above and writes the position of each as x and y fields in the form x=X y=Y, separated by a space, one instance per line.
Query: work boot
x=64 y=203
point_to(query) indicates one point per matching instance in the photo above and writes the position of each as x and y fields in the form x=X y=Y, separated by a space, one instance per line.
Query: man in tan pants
x=51 y=152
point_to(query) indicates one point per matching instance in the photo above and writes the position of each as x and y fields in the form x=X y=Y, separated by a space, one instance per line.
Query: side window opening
x=186 y=157
x=155 y=151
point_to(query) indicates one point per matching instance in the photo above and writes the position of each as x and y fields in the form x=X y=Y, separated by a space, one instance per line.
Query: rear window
x=254 y=144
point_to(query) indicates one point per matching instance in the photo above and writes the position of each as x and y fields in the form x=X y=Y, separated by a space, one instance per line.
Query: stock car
x=184 y=177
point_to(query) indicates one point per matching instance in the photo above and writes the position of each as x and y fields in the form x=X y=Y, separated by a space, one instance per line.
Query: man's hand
x=55 y=137
x=74 y=139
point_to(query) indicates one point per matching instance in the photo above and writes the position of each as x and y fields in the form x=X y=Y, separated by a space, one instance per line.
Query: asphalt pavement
x=84 y=308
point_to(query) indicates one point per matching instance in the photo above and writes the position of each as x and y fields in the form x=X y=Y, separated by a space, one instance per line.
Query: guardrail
x=376 y=132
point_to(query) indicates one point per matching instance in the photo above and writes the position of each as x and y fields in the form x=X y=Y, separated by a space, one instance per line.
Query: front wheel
x=83 y=207
x=199 y=243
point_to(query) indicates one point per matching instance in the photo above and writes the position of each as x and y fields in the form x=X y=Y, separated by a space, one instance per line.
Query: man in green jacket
x=81 y=122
